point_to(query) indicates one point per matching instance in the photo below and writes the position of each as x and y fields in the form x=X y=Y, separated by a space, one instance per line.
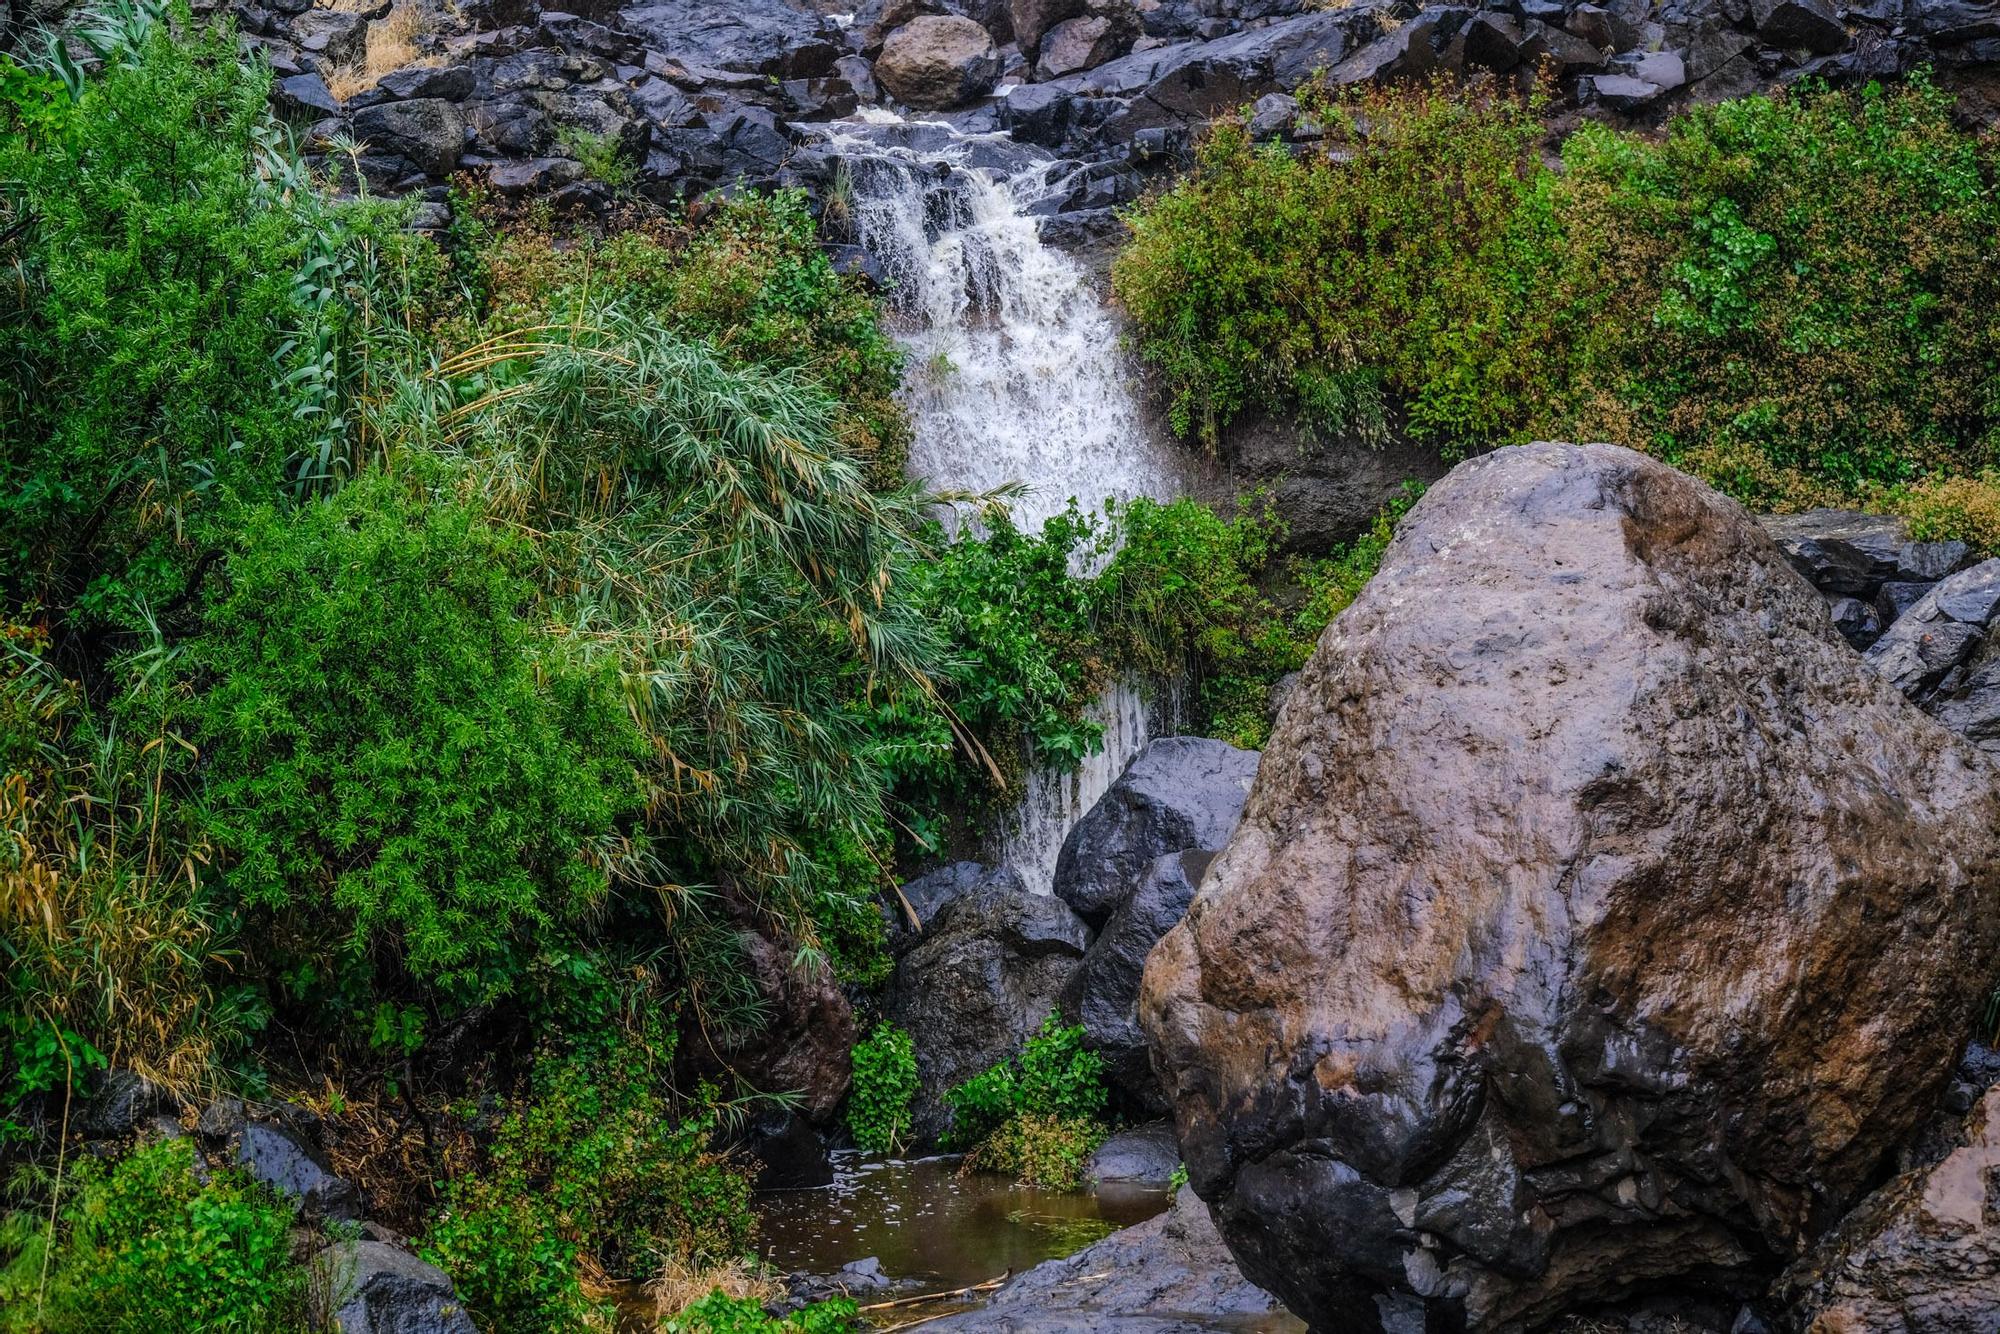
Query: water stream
x=1016 y=374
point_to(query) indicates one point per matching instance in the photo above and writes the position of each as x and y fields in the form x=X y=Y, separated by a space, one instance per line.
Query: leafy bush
x=394 y=755
x=1789 y=295
x=1038 y=1150
x=1035 y=1115
x=885 y=1080
x=144 y=1244
x=595 y=1164
x=170 y=339
x=1966 y=509
x=719 y=1313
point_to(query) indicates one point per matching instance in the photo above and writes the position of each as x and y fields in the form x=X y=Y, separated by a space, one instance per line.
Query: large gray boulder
x=1943 y=654
x=1103 y=994
x=984 y=977
x=1599 y=921
x=429 y=131
x=938 y=62
x=377 y=1289
x=1180 y=792
x=284 y=1146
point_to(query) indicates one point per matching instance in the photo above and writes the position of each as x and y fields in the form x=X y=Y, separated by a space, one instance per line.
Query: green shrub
x=719 y=1313
x=595 y=1163
x=885 y=1080
x=1038 y=1150
x=143 y=1244
x=1035 y=1115
x=394 y=756
x=1789 y=295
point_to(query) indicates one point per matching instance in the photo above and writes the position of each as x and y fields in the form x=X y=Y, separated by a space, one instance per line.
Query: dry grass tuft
x=680 y=1285
x=393 y=44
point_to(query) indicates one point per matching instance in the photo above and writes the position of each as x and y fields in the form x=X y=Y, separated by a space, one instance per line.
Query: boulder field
x=539 y=100
x=1599 y=920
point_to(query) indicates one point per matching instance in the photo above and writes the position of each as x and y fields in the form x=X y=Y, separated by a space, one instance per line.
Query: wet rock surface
x=808 y=1039
x=1103 y=994
x=284 y=1147
x=1170 y=1275
x=1179 y=793
x=1867 y=565
x=1923 y=1253
x=1483 y=1015
x=378 y=1289
x=1942 y=654
x=1144 y=1155
x=984 y=976
x=938 y=62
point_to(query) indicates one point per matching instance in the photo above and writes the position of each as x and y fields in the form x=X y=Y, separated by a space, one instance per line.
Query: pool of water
x=924 y=1221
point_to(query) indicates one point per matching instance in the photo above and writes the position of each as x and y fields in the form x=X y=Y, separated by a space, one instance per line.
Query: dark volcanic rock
x=1598 y=922
x=283 y=1147
x=1849 y=552
x=429 y=131
x=928 y=893
x=1169 y=1275
x=381 y=1290
x=807 y=1043
x=1180 y=792
x=1103 y=993
x=984 y=977
x=120 y=1103
x=938 y=62
x=1921 y=1254
x=1327 y=490
x=1943 y=654
x=789 y=1153
x=764 y=37
x=1809 y=25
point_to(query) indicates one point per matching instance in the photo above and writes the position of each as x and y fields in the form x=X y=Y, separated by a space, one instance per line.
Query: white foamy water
x=1015 y=372
x=1015 y=375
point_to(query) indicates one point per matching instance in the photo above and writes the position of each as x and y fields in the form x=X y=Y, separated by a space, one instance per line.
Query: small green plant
x=1177 y=1178
x=1038 y=1150
x=1036 y=1115
x=144 y=1244
x=719 y=1313
x=596 y=1164
x=885 y=1080
x=600 y=155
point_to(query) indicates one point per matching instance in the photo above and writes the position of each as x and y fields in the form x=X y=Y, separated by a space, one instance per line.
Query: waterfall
x=1015 y=375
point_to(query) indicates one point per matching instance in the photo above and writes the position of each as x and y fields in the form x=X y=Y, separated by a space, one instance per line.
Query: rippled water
x=922 y=1220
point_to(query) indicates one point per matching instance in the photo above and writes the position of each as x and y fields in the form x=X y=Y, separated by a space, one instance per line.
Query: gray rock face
x=379 y=1289
x=1103 y=993
x=284 y=1148
x=1326 y=490
x=1075 y=45
x=764 y=37
x=928 y=893
x=1488 y=1008
x=1169 y=1275
x=1181 y=792
x=1852 y=553
x=938 y=62
x=1144 y=1156
x=1033 y=18
x=984 y=977
x=1923 y=1253
x=1943 y=655
x=429 y=131
x=1808 y=25
x=121 y=1103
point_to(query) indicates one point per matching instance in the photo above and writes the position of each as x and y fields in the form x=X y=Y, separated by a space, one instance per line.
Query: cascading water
x=1016 y=375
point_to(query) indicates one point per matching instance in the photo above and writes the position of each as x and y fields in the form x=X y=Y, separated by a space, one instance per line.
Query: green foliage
x=394 y=755
x=885 y=1080
x=1178 y=1177
x=599 y=155
x=145 y=1245
x=168 y=341
x=1039 y=1150
x=595 y=1163
x=1790 y=295
x=1035 y=1115
x=719 y=1313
